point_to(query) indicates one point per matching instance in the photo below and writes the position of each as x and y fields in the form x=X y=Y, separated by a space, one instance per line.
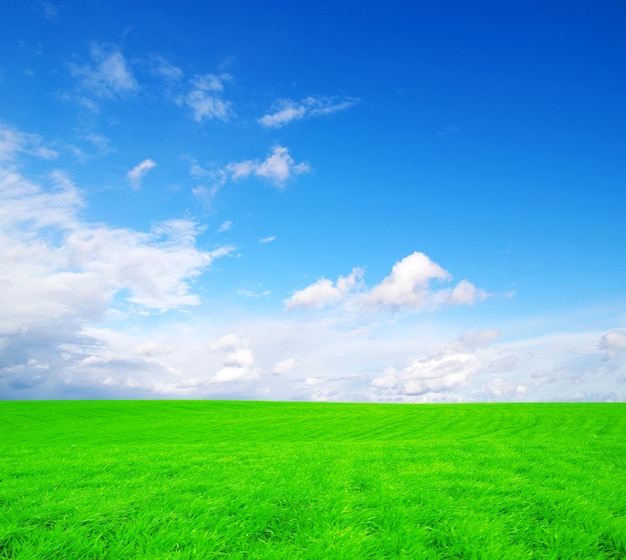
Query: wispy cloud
x=225 y=226
x=14 y=142
x=204 y=97
x=164 y=69
x=287 y=110
x=253 y=294
x=406 y=288
x=137 y=173
x=267 y=239
x=106 y=76
x=49 y=10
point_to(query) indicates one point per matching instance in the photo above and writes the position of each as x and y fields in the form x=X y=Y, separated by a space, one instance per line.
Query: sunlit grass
x=158 y=480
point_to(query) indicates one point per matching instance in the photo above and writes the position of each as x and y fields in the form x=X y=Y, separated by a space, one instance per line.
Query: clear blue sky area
x=403 y=202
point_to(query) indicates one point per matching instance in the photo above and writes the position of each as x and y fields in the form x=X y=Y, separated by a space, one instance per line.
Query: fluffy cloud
x=137 y=173
x=238 y=365
x=107 y=76
x=61 y=274
x=287 y=110
x=408 y=283
x=445 y=371
x=407 y=287
x=324 y=292
x=277 y=168
x=204 y=98
x=614 y=340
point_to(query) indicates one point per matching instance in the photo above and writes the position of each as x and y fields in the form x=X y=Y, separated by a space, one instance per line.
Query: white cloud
x=204 y=98
x=59 y=269
x=49 y=10
x=228 y=342
x=14 y=142
x=277 y=168
x=107 y=76
x=614 y=340
x=267 y=239
x=241 y=357
x=164 y=69
x=324 y=292
x=253 y=294
x=152 y=348
x=287 y=110
x=225 y=226
x=408 y=283
x=231 y=374
x=238 y=365
x=474 y=338
x=445 y=371
x=465 y=293
x=407 y=287
x=137 y=173
x=285 y=366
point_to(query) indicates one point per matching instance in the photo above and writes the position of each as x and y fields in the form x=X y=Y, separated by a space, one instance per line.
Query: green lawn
x=181 y=479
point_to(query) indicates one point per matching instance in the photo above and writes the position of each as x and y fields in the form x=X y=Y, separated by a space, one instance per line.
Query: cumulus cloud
x=287 y=110
x=229 y=342
x=614 y=340
x=408 y=283
x=137 y=173
x=238 y=365
x=407 y=287
x=107 y=76
x=443 y=372
x=277 y=168
x=204 y=97
x=324 y=292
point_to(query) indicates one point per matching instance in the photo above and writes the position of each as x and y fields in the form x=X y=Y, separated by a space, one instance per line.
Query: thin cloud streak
x=137 y=173
x=287 y=110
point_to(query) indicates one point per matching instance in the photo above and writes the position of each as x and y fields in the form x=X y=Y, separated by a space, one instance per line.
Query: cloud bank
x=61 y=274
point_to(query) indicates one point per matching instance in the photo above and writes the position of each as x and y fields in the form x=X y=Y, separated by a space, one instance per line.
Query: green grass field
x=163 y=479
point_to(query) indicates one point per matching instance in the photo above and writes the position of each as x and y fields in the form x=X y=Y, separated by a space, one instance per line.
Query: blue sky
x=324 y=201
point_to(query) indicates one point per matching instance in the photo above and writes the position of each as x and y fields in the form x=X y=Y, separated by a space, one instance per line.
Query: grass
x=175 y=480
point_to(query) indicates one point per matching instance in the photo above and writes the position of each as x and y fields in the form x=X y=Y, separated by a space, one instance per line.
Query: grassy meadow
x=201 y=479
